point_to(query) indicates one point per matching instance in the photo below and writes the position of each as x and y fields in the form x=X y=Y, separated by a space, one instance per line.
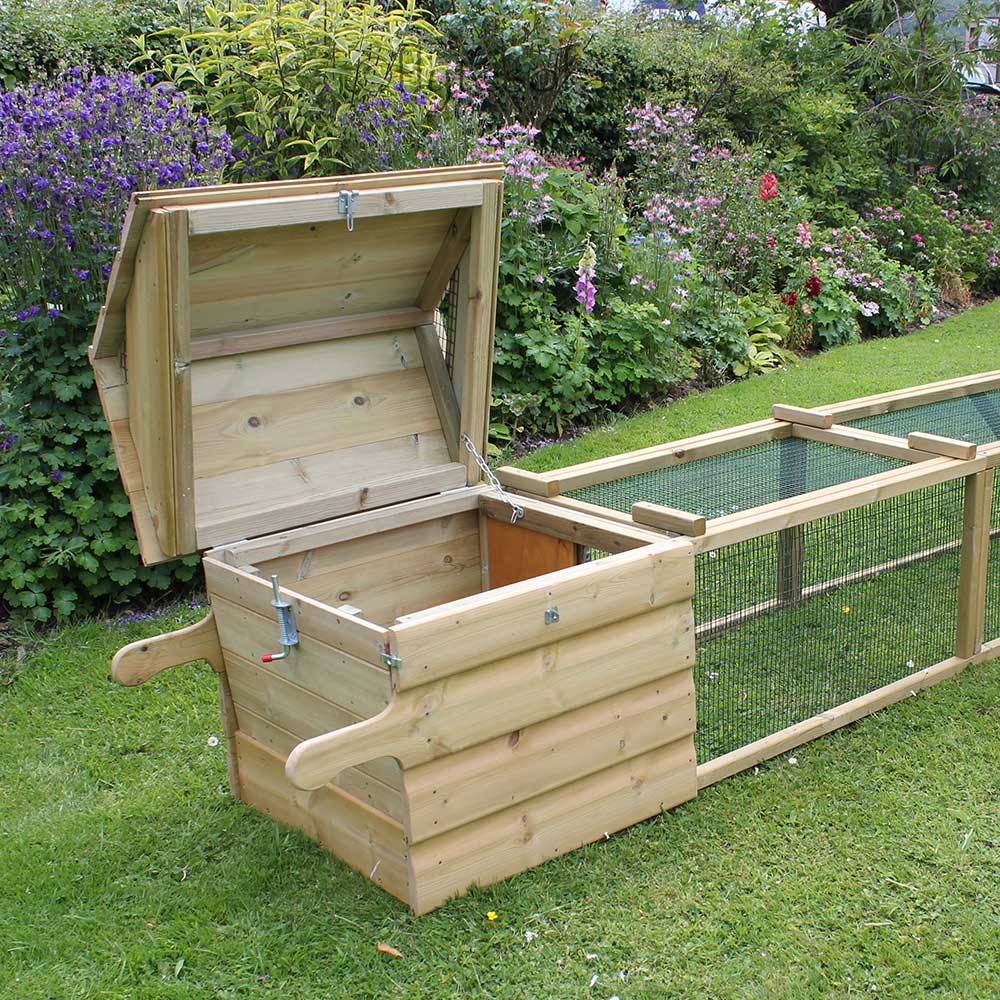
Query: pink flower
x=803 y=235
x=768 y=187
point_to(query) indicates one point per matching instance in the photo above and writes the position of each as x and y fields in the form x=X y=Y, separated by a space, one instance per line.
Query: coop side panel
x=364 y=838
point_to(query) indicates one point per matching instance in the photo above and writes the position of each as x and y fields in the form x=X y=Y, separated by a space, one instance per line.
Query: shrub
x=281 y=74
x=71 y=155
x=39 y=36
x=529 y=47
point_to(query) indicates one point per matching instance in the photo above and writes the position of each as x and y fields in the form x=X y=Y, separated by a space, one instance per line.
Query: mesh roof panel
x=740 y=480
x=969 y=418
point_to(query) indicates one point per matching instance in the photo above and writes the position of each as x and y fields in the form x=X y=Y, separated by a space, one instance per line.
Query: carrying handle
x=137 y=662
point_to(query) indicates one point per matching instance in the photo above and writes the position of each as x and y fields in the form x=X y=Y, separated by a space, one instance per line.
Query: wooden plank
x=460 y=323
x=663 y=456
x=467 y=633
x=620 y=518
x=583 y=528
x=442 y=388
x=262 y=430
x=446 y=261
x=462 y=787
x=150 y=350
x=179 y=312
x=552 y=824
x=262 y=701
x=414 y=579
x=216 y=380
x=263 y=213
x=974 y=563
x=526 y=482
x=385 y=796
x=137 y=662
x=335 y=628
x=309 y=332
x=517 y=553
x=858 y=493
x=867 y=441
x=354 y=526
x=902 y=399
x=937 y=445
x=478 y=322
x=318 y=668
x=363 y=838
x=680 y=522
x=826 y=722
x=790 y=553
x=227 y=714
x=798 y=415
x=250 y=502
x=507 y=693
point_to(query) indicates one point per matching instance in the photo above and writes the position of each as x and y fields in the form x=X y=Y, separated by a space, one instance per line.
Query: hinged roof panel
x=272 y=355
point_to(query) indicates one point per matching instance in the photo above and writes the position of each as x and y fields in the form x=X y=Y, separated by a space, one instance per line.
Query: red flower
x=813 y=286
x=791 y=299
x=768 y=187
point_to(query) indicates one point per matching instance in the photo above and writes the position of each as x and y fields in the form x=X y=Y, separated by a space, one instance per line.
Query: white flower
x=593 y=980
x=213 y=741
x=530 y=936
x=793 y=760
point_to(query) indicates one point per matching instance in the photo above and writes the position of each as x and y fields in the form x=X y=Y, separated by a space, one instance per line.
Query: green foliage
x=528 y=48
x=279 y=74
x=767 y=327
x=37 y=37
x=65 y=529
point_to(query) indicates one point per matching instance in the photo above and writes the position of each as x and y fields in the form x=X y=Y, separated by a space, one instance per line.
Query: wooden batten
x=798 y=415
x=680 y=522
x=282 y=364
x=937 y=445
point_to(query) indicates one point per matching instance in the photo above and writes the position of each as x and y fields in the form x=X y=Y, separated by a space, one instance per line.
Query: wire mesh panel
x=446 y=323
x=969 y=418
x=741 y=479
x=797 y=622
x=992 y=624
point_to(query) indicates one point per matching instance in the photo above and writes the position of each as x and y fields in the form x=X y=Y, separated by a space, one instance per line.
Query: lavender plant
x=71 y=154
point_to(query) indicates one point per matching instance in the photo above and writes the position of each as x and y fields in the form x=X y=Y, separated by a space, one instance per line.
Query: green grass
x=868 y=868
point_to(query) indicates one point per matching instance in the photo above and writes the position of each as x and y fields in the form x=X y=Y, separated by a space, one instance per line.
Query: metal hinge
x=346 y=205
x=180 y=367
x=391 y=661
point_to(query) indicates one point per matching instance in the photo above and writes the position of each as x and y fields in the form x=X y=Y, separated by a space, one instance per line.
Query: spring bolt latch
x=288 y=633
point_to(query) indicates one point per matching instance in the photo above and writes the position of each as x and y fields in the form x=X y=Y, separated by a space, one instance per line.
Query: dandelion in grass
x=846 y=609
x=491 y=916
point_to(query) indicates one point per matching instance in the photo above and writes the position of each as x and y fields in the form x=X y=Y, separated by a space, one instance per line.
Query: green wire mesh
x=968 y=418
x=797 y=622
x=739 y=480
x=992 y=624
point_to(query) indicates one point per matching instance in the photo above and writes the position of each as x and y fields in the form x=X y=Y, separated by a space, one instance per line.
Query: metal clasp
x=288 y=633
x=346 y=205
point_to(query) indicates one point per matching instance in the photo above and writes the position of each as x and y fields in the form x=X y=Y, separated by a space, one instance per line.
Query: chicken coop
x=440 y=683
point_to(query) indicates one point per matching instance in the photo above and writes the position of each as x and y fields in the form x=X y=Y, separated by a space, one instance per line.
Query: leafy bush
x=39 y=36
x=530 y=49
x=71 y=155
x=280 y=75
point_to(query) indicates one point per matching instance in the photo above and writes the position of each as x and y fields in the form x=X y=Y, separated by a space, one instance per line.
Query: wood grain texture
x=507 y=693
x=442 y=387
x=137 y=662
x=799 y=415
x=451 y=791
x=363 y=838
x=464 y=634
x=937 y=445
x=335 y=628
x=517 y=553
x=552 y=824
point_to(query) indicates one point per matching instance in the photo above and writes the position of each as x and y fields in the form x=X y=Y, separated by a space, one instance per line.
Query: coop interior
x=383 y=574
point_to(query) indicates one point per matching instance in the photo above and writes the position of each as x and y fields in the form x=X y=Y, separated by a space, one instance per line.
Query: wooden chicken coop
x=439 y=684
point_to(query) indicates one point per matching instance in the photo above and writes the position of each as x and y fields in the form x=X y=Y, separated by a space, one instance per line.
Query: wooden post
x=972 y=579
x=791 y=541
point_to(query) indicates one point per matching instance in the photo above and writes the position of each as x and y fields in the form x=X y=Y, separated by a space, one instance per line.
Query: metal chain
x=516 y=512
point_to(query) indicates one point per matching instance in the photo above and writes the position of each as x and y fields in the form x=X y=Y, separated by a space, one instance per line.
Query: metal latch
x=551 y=616
x=288 y=633
x=390 y=660
x=346 y=205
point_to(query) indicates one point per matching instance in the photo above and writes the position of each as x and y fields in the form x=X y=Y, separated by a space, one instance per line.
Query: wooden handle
x=316 y=762
x=137 y=662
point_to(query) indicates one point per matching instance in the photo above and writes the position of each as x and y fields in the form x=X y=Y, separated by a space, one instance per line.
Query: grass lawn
x=869 y=867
